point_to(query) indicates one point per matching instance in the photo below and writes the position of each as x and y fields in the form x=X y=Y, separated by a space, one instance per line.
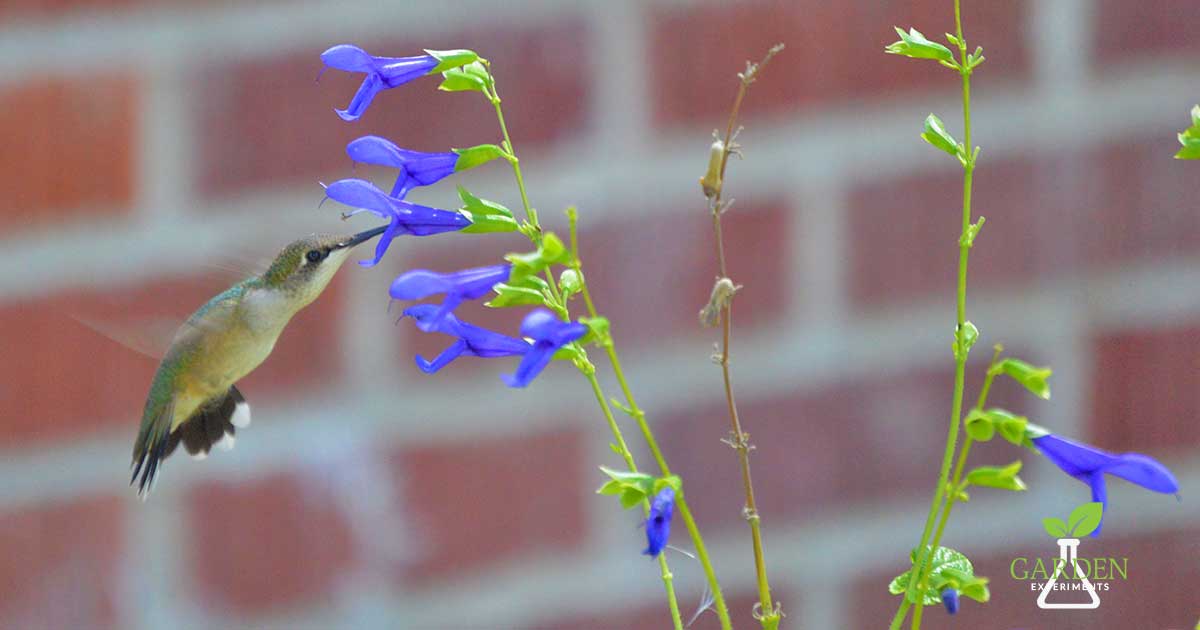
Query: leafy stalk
x=962 y=327
x=533 y=231
x=633 y=410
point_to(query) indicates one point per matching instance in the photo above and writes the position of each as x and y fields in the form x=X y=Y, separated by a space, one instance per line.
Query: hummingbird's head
x=305 y=267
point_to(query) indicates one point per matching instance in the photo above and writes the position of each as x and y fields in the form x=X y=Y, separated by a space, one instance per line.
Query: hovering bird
x=194 y=398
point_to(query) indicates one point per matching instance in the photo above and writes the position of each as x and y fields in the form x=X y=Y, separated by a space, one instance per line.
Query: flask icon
x=1068 y=550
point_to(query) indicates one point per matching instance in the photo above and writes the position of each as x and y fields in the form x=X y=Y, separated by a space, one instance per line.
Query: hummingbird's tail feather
x=213 y=424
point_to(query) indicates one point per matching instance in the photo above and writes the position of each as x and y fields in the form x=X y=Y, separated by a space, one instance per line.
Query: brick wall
x=147 y=145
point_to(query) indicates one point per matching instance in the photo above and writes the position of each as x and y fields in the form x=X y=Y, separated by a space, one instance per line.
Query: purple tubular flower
x=468 y=284
x=382 y=73
x=404 y=217
x=658 y=524
x=1089 y=465
x=548 y=334
x=950 y=600
x=416 y=168
x=472 y=340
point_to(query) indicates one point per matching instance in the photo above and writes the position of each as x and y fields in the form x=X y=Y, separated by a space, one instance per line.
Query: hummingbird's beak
x=362 y=236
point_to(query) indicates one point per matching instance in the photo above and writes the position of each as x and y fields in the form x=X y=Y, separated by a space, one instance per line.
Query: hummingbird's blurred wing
x=151 y=336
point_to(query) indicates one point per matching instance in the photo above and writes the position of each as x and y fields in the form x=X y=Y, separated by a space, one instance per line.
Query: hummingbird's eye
x=314 y=255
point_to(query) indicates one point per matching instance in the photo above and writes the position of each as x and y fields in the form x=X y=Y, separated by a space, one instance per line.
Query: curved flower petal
x=360 y=193
x=1145 y=472
x=419 y=284
x=348 y=57
x=531 y=365
x=447 y=355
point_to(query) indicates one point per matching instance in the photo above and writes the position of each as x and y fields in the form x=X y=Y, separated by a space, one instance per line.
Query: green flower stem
x=952 y=496
x=960 y=359
x=531 y=217
x=640 y=416
x=667 y=577
x=535 y=235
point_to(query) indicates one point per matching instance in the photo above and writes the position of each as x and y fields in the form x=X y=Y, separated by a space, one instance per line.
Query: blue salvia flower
x=416 y=168
x=403 y=217
x=468 y=284
x=388 y=72
x=1089 y=465
x=472 y=340
x=548 y=334
x=658 y=523
x=950 y=600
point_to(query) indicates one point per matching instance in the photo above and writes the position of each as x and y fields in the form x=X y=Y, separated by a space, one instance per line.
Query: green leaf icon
x=1055 y=527
x=1085 y=519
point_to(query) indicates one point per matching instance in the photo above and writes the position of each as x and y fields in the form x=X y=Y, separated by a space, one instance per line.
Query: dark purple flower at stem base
x=468 y=284
x=658 y=523
x=472 y=340
x=1089 y=465
x=404 y=217
x=950 y=600
x=416 y=168
x=548 y=334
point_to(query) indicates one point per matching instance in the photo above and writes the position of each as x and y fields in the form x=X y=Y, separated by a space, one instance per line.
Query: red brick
x=61 y=564
x=1123 y=30
x=824 y=448
x=1144 y=393
x=656 y=616
x=905 y=233
x=1100 y=207
x=651 y=275
x=68 y=150
x=483 y=503
x=1158 y=593
x=1134 y=203
x=266 y=123
x=269 y=542
x=72 y=381
x=834 y=53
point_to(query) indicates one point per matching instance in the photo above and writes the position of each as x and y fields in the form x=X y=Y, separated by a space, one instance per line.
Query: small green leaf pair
x=551 y=251
x=981 y=425
x=1190 y=139
x=635 y=487
x=1033 y=378
x=485 y=216
x=471 y=77
x=948 y=569
x=1083 y=521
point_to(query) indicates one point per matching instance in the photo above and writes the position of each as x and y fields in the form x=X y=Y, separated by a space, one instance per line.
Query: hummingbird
x=194 y=398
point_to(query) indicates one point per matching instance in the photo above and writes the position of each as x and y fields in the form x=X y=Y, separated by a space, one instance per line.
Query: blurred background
x=149 y=148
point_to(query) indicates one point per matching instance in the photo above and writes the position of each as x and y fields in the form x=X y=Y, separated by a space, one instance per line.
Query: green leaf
x=979 y=425
x=913 y=44
x=570 y=282
x=508 y=295
x=1190 y=138
x=485 y=216
x=1033 y=378
x=936 y=134
x=450 y=59
x=550 y=252
x=1085 y=519
x=597 y=330
x=1003 y=477
x=947 y=568
x=1055 y=527
x=964 y=338
x=1012 y=427
x=471 y=157
x=472 y=77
